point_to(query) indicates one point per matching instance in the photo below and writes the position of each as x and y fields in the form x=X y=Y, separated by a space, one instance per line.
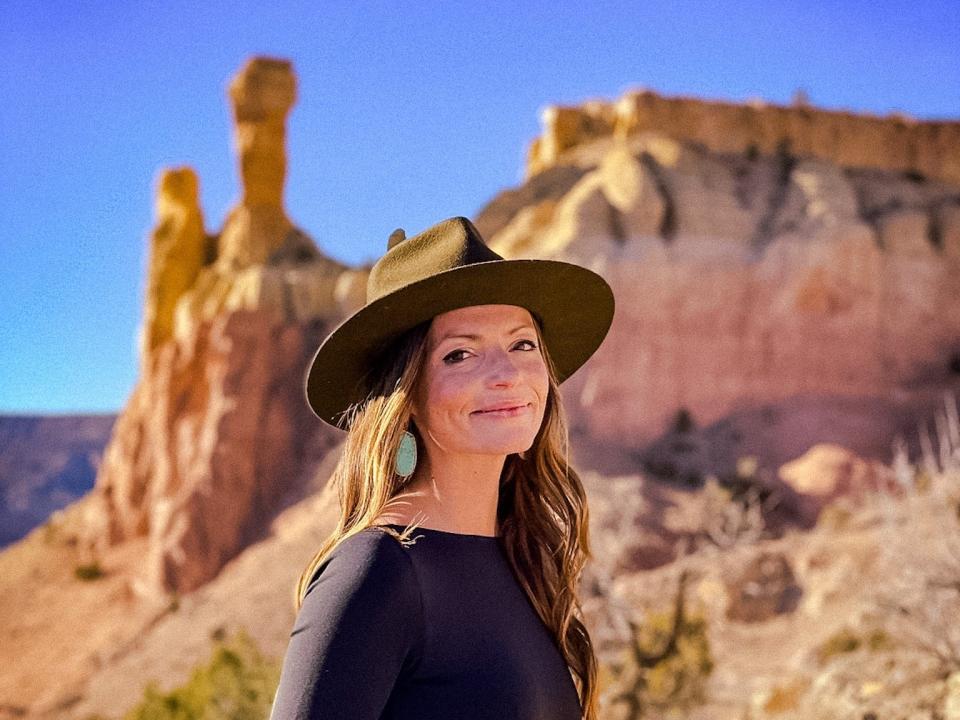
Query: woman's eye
x=452 y=358
x=448 y=357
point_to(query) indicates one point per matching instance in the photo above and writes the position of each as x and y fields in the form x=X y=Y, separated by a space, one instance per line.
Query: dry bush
x=615 y=512
x=653 y=659
x=664 y=666
x=727 y=522
x=920 y=542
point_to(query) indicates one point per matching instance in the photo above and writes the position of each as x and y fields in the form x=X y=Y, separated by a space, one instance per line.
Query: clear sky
x=408 y=113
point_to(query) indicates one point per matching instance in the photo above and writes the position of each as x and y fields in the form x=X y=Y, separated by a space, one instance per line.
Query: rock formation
x=827 y=472
x=216 y=435
x=178 y=249
x=262 y=95
x=846 y=139
x=766 y=588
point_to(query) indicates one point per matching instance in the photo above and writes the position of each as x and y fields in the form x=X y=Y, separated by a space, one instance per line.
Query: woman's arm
x=359 y=629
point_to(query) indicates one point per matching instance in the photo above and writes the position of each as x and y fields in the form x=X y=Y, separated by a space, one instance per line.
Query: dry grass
x=921 y=544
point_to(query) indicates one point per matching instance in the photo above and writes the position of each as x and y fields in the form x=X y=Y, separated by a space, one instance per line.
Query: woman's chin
x=509 y=447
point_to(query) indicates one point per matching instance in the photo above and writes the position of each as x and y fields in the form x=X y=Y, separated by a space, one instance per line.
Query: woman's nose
x=502 y=371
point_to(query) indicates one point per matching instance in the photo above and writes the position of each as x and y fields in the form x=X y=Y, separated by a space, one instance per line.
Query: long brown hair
x=542 y=513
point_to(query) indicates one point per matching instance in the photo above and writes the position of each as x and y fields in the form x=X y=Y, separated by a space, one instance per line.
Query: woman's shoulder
x=372 y=560
x=375 y=538
x=362 y=611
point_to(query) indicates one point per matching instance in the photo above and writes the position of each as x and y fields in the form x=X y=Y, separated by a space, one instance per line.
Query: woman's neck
x=457 y=493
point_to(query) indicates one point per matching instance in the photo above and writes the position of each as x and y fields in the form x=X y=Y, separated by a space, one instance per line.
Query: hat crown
x=397 y=236
x=449 y=244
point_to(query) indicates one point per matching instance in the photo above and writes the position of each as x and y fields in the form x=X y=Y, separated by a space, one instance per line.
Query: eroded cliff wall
x=846 y=139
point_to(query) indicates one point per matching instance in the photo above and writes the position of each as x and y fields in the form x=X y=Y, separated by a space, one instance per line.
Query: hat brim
x=575 y=307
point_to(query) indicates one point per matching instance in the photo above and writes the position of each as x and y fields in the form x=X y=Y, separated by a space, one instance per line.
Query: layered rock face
x=779 y=300
x=217 y=435
x=847 y=139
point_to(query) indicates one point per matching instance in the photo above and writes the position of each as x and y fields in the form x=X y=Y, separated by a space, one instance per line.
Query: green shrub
x=845 y=641
x=88 y=571
x=678 y=678
x=879 y=640
x=665 y=666
x=842 y=641
x=238 y=683
x=786 y=698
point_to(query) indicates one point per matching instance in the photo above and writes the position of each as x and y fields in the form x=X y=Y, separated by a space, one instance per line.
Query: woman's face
x=477 y=359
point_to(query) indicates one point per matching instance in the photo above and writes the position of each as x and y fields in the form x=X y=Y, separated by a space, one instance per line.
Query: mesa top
x=436 y=629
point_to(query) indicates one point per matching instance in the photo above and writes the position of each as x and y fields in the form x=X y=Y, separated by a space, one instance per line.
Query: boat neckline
x=441 y=532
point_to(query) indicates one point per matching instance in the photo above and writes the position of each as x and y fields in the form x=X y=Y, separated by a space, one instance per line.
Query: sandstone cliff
x=216 y=436
x=846 y=139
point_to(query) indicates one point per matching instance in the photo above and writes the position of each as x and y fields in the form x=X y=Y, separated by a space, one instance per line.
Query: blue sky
x=407 y=113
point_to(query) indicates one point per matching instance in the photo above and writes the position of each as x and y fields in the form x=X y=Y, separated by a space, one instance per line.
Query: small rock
x=765 y=589
x=951 y=702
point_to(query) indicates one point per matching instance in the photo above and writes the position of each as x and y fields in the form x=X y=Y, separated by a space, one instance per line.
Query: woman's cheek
x=447 y=392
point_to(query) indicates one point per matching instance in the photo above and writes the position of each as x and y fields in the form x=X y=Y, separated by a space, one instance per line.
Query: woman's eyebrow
x=468 y=336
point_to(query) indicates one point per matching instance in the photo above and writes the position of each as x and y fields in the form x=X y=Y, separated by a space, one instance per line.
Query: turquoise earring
x=406 y=455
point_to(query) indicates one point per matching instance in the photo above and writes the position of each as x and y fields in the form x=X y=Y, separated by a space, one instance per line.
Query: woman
x=448 y=588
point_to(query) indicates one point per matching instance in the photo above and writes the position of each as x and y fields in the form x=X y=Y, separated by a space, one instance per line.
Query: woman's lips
x=511 y=412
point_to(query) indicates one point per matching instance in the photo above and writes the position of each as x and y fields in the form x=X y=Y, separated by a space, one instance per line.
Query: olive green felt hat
x=445 y=267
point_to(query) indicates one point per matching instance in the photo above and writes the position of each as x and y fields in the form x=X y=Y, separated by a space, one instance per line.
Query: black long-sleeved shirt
x=439 y=629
